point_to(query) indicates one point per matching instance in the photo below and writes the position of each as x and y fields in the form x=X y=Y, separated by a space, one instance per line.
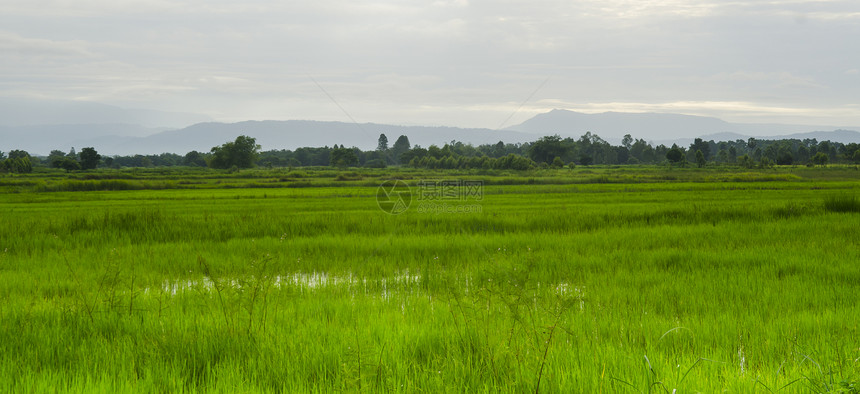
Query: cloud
x=12 y=44
x=441 y=61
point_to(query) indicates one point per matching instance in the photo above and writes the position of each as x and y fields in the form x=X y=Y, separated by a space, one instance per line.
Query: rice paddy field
x=633 y=279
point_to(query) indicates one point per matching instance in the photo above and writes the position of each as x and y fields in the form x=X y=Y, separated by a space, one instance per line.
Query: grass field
x=593 y=280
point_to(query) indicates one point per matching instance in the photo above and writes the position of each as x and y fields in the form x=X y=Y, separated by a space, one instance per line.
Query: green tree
x=18 y=154
x=55 y=158
x=784 y=157
x=700 y=145
x=18 y=162
x=857 y=156
x=400 y=146
x=89 y=158
x=802 y=154
x=194 y=159
x=69 y=164
x=241 y=153
x=343 y=157
x=17 y=165
x=585 y=159
x=414 y=153
x=382 y=143
x=545 y=149
x=499 y=149
x=627 y=141
x=675 y=154
x=820 y=158
x=375 y=163
x=700 y=159
x=641 y=151
x=557 y=162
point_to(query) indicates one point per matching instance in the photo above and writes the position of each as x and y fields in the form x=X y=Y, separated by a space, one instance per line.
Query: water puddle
x=404 y=283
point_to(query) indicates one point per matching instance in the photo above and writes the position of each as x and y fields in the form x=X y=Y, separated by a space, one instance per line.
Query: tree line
x=546 y=152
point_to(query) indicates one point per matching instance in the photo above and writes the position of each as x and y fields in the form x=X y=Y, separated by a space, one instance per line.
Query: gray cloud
x=457 y=62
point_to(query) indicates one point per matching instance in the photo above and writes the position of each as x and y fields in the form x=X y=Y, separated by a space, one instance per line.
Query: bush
x=842 y=203
x=377 y=163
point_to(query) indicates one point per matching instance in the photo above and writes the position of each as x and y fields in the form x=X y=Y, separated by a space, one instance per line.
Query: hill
x=669 y=128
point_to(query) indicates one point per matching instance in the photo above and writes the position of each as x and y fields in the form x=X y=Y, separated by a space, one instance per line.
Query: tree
x=499 y=149
x=375 y=163
x=382 y=143
x=641 y=151
x=820 y=158
x=751 y=143
x=18 y=161
x=19 y=165
x=400 y=146
x=55 y=158
x=585 y=159
x=700 y=159
x=857 y=156
x=627 y=141
x=89 y=158
x=414 y=153
x=241 y=153
x=784 y=157
x=545 y=149
x=700 y=145
x=343 y=157
x=194 y=158
x=675 y=154
x=557 y=162
x=69 y=164
x=18 y=154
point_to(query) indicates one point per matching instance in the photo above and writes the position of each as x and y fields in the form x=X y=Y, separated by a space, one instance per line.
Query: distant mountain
x=288 y=134
x=666 y=128
x=41 y=139
x=723 y=137
x=843 y=136
x=28 y=112
x=133 y=133
x=614 y=125
x=291 y=134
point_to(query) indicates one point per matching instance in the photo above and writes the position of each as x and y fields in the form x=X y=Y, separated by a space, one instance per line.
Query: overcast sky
x=470 y=63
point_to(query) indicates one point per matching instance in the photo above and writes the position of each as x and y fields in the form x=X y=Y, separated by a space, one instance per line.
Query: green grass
x=842 y=203
x=711 y=281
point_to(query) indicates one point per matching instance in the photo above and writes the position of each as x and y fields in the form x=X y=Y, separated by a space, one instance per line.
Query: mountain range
x=674 y=128
x=39 y=128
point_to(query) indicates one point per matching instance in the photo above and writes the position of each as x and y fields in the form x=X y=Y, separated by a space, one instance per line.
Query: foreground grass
x=720 y=285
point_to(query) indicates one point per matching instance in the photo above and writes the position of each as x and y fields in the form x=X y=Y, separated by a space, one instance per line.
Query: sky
x=465 y=63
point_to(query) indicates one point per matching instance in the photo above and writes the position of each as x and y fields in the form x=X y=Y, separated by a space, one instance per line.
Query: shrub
x=842 y=203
